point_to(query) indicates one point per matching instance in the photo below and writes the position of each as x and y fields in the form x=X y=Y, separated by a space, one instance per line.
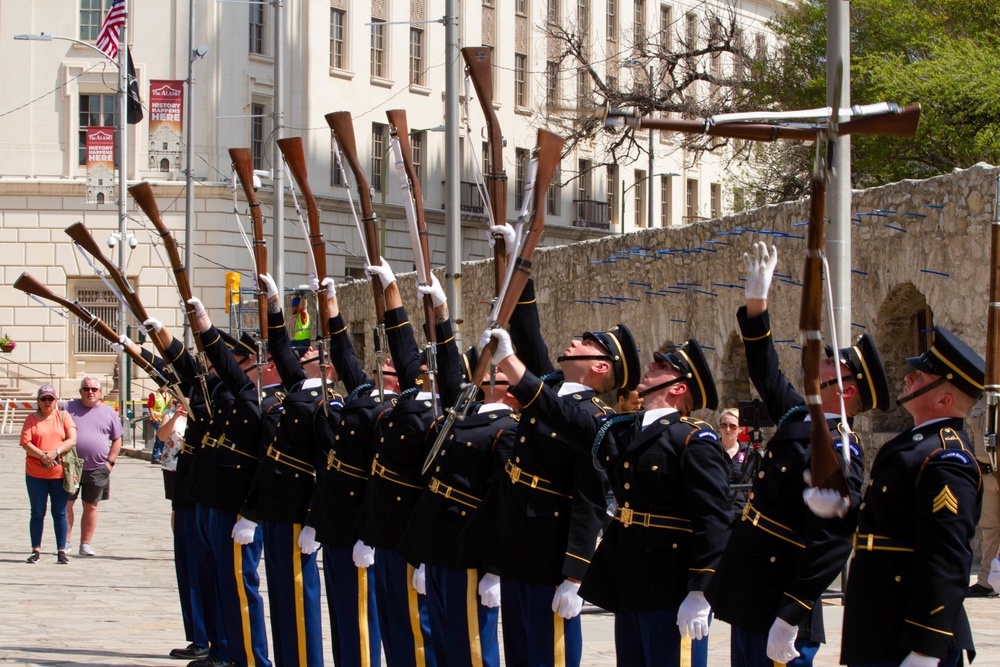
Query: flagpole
x=123 y=375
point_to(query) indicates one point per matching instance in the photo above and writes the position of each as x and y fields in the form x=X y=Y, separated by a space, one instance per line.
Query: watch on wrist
x=110 y=462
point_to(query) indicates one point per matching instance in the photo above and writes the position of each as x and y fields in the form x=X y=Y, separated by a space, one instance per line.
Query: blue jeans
x=39 y=492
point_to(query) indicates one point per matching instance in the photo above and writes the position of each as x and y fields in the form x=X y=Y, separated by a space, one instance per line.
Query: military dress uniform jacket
x=781 y=557
x=345 y=444
x=400 y=448
x=912 y=557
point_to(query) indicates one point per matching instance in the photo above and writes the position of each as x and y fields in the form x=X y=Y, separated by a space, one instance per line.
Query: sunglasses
x=89 y=389
x=731 y=427
x=46 y=399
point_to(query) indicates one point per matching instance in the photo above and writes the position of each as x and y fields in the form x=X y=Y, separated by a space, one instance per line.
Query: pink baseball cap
x=47 y=390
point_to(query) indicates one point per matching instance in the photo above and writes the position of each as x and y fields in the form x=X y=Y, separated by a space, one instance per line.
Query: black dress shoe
x=192 y=652
x=211 y=662
x=980 y=591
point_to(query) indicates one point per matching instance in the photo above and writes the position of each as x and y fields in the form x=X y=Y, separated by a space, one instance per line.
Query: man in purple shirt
x=99 y=439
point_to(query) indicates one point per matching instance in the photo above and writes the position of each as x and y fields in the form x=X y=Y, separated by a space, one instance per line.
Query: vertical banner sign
x=100 y=165
x=166 y=124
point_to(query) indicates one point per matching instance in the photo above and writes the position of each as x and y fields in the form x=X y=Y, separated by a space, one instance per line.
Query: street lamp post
x=649 y=188
x=649 y=185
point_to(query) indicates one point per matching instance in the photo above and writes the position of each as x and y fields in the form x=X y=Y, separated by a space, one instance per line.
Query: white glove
x=760 y=270
x=434 y=291
x=995 y=574
x=364 y=555
x=692 y=615
x=270 y=289
x=243 y=531
x=199 y=307
x=307 y=540
x=567 y=601
x=313 y=283
x=123 y=342
x=420 y=580
x=781 y=641
x=489 y=590
x=508 y=234
x=917 y=660
x=153 y=324
x=504 y=347
x=825 y=503
x=328 y=285
x=383 y=271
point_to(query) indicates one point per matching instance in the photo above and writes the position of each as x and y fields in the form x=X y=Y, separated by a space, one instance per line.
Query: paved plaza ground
x=121 y=608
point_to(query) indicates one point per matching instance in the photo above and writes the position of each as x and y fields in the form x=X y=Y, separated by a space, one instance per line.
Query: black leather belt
x=518 y=476
x=772 y=527
x=451 y=493
x=632 y=518
x=869 y=542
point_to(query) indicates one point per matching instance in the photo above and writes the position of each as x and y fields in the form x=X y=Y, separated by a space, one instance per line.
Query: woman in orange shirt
x=46 y=436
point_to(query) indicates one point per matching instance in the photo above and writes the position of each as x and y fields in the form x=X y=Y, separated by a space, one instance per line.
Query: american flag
x=107 y=38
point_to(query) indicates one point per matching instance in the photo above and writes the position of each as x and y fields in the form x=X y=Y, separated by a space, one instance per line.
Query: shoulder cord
x=608 y=423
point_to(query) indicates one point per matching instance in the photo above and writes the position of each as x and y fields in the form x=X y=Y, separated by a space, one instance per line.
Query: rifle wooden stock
x=292 y=150
x=824 y=464
x=549 y=151
x=343 y=129
x=243 y=165
x=397 y=121
x=29 y=285
x=142 y=193
x=479 y=61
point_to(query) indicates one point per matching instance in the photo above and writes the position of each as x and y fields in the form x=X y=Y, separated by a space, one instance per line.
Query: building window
x=521 y=169
x=583 y=17
x=640 y=198
x=553 y=195
x=666 y=28
x=521 y=7
x=552 y=11
x=692 y=200
x=552 y=83
x=378 y=155
x=715 y=40
x=715 y=190
x=639 y=22
x=612 y=187
x=611 y=21
x=378 y=49
x=97 y=111
x=257 y=27
x=257 y=135
x=336 y=178
x=417 y=152
x=520 y=80
x=691 y=31
x=666 y=201
x=104 y=304
x=584 y=180
x=416 y=56
x=91 y=18
x=338 y=38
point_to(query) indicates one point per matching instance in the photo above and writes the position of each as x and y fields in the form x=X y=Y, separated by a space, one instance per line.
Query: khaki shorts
x=95 y=485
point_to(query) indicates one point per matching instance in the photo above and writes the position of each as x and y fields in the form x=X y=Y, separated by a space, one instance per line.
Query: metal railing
x=592 y=214
x=470 y=199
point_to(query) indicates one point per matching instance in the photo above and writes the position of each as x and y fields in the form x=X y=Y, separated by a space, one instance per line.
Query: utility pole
x=278 y=210
x=838 y=198
x=452 y=210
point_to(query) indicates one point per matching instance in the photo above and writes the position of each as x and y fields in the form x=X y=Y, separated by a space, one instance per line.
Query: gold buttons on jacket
x=898 y=578
x=625 y=465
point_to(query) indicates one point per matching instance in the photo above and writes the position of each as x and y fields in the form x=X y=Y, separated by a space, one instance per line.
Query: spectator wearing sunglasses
x=735 y=451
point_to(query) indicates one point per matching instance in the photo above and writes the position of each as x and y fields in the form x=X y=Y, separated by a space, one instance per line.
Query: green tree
x=944 y=54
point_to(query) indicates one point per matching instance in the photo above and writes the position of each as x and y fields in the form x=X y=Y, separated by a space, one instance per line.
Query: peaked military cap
x=690 y=361
x=866 y=370
x=951 y=358
x=243 y=347
x=621 y=346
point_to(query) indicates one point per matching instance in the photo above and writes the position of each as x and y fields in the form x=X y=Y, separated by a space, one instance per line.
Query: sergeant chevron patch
x=945 y=500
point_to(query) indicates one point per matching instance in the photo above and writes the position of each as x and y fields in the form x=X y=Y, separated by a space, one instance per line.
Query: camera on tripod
x=754 y=414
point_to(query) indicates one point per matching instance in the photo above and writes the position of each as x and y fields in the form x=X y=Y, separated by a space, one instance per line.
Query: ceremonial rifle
x=142 y=193
x=292 y=151
x=413 y=205
x=479 y=66
x=548 y=152
x=344 y=143
x=29 y=285
x=992 y=384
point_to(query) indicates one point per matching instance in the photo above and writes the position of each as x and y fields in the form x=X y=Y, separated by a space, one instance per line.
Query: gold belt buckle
x=515 y=473
x=626 y=517
x=221 y=442
x=330 y=460
x=646 y=517
x=534 y=481
x=871 y=542
x=755 y=519
x=435 y=484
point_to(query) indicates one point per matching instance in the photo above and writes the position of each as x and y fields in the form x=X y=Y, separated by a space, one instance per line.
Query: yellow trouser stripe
x=472 y=617
x=244 y=605
x=300 y=618
x=559 y=643
x=685 y=656
x=363 y=617
x=418 y=635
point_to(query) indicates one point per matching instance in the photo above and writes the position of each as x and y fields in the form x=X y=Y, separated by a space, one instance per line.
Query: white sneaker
x=87 y=550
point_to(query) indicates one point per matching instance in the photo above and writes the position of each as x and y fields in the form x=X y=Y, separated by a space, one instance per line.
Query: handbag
x=72 y=470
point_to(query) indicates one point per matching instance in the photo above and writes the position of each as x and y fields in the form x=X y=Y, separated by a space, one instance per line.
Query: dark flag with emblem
x=133 y=112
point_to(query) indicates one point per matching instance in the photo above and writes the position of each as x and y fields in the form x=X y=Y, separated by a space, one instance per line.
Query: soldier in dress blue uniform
x=346 y=446
x=781 y=557
x=670 y=481
x=912 y=557
x=226 y=481
x=395 y=483
x=539 y=525
x=191 y=546
x=280 y=493
x=459 y=589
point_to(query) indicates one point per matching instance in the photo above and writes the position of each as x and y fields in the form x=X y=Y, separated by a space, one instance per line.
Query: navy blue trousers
x=350 y=599
x=463 y=631
x=652 y=639
x=402 y=613
x=208 y=585
x=534 y=636
x=749 y=649
x=186 y=569
x=238 y=586
x=293 y=597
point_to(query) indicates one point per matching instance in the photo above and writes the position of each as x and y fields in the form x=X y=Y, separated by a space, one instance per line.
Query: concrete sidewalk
x=121 y=607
